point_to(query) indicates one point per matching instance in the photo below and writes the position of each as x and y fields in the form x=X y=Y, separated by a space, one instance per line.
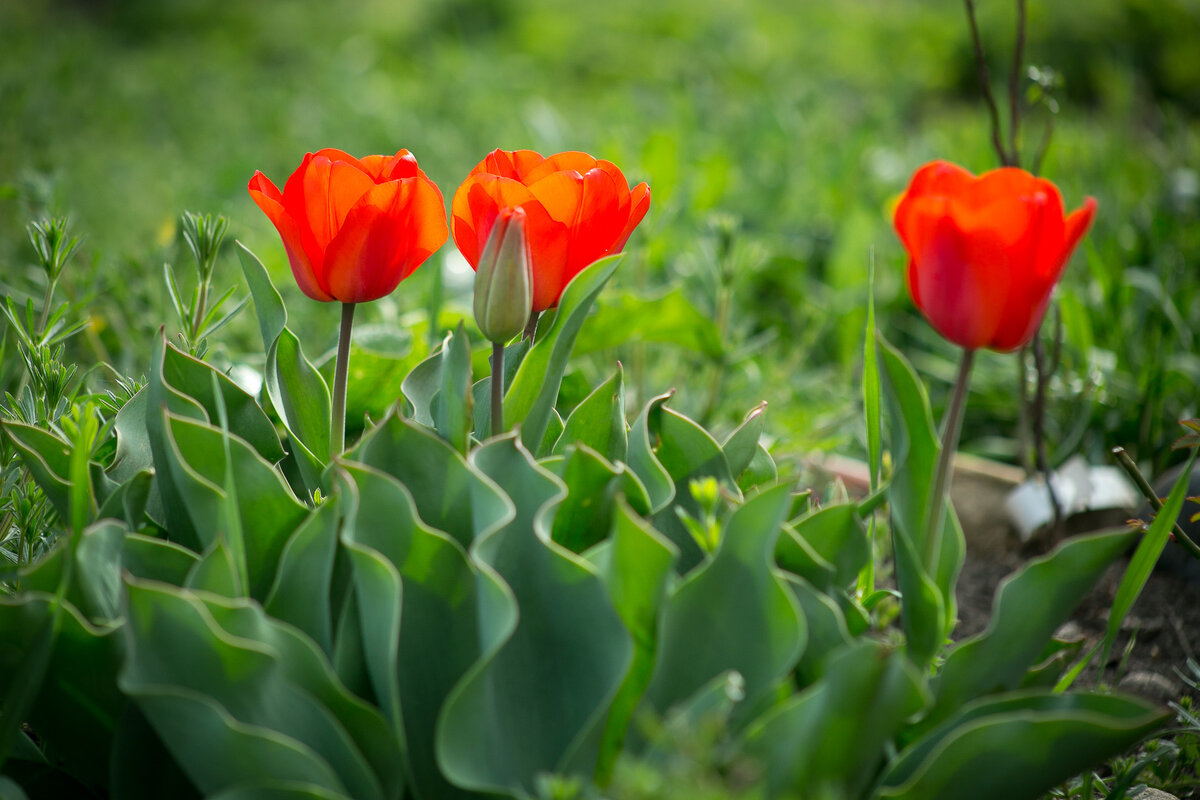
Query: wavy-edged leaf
x=239 y=698
x=539 y=703
x=1030 y=605
x=534 y=390
x=450 y=496
x=741 y=445
x=733 y=613
x=832 y=737
x=57 y=673
x=836 y=534
x=266 y=510
x=636 y=567
x=928 y=611
x=1018 y=746
x=686 y=452
x=301 y=591
x=585 y=515
x=418 y=596
x=599 y=421
x=452 y=405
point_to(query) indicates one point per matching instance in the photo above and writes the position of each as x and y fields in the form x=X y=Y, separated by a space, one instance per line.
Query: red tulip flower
x=354 y=228
x=577 y=209
x=985 y=252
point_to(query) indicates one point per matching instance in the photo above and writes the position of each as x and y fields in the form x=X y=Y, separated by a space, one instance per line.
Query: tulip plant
x=469 y=603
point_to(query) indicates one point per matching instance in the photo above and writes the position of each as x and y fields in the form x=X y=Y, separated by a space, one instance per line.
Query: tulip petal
x=639 y=204
x=268 y=197
x=603 y=212
x=1076 y=225
x=570 y=161
x=393 y=229
x=560 y=193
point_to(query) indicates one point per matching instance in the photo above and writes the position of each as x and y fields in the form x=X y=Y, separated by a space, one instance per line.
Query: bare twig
x=1014 y=87
x=986 y=85
x=1152 y=497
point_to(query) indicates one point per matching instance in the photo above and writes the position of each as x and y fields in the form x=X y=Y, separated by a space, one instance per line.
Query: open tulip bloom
x=984 y=255
x=578 y=209
x=353 y=229
x=985 y=252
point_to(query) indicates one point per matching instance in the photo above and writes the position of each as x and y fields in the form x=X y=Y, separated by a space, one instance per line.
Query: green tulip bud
x=504 y=279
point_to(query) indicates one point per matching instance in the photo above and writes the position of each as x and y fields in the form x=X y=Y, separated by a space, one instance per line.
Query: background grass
x=775 y=137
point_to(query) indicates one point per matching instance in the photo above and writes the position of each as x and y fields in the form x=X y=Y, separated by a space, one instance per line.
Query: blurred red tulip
x=577 y=209
x=354 y=228
x=985 y=252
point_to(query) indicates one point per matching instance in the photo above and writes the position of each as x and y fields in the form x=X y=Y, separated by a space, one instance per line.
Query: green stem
x=198 y=315
x=341 y=371
x=497 y=388
x=951 y=429
x=1136 y=475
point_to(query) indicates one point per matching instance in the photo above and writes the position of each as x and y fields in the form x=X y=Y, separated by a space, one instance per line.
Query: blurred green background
x=775 y=136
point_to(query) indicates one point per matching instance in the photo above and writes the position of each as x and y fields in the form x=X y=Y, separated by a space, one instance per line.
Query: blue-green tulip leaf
x=534 y=391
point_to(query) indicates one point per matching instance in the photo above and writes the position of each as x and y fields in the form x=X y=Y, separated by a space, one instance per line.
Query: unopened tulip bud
x=504 y=279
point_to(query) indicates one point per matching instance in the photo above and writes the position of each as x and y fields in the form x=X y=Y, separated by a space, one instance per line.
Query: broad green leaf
x=418 y=596
x=10 y=790
x=1030 y=605
x=929 y=606
x=794 y=554
x=276 y=790
x=421 y=385
x=301 y=398
x=57 y=673
x=534 y=390
x=733 y=613
x=687 y=452
x=599 y=421
x=836 y=534
x=142 y=767
x=267 y=510
x=196 y=380
x=216 y=572
x=301 y=591
x=827 y=629
x=297 y=390
x=642 y=460
x=452 y=406
x=449 y=495
x=157 y=559
x=268 y=304
x=239 y=698
x=636 y=567
x=585 y=515
x=741 y=446
x=539 y=703
x=832 y=737
x=133 y=443
x=129 y=500
x=1018 y=746
x=669 y=318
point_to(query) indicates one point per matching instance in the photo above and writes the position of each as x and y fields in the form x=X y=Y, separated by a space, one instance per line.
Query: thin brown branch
x=986 y=85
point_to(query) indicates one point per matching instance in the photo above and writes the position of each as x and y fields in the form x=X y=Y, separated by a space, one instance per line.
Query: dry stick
x=1039 y=427
x=1155 y=503
x=985 y=84
x=1014 y=86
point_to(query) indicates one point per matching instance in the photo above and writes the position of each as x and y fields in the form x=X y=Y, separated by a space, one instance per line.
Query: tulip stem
x=341 y=371
x=497 y=388
x=951 y=429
